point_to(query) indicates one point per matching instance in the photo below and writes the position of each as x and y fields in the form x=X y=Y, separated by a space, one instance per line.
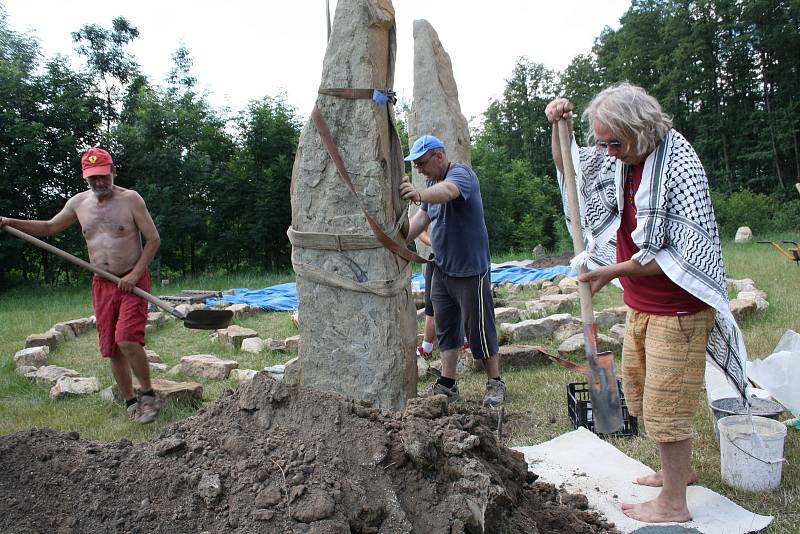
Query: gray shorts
x=464 y=302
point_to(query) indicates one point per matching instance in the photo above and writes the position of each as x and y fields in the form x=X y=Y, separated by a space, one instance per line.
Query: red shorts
x=121 y=316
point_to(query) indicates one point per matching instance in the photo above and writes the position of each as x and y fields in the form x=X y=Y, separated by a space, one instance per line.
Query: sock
x=447 y=382
x=427 y=346
x=147 y=394
x=130 y=402
x=499 y=379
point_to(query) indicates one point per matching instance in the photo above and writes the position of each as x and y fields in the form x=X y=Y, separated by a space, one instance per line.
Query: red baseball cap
x=96 y=161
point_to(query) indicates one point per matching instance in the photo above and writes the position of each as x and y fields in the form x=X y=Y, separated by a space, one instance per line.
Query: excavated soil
x=276 y=458
x=550 y=261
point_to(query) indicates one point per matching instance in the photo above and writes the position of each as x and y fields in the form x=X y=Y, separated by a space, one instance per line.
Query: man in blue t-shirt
x=461 y=286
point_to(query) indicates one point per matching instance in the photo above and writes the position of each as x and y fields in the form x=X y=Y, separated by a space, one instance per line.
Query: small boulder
x=568 y=285
x=293 y=344
x=506 y=315
x=243 y=375
x=207 y=366
x=611 y=316
x=292 y=371
x=49 y=339
x=560 y=303
x=234 y=335
x=253 y=345
x=533 y=328
x=276 y=345
x=617 y=331
x=575 y=346
x=152 y=356
x=741 y=308
x=67 y=386
x=49 y=375
x=743 y=235
x=550 y=290
x=32 y=357
x=66 y=331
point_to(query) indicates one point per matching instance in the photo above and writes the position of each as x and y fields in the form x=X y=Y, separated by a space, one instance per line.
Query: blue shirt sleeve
x=462 y=179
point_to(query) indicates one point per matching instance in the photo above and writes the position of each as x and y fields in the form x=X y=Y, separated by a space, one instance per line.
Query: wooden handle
x=565 y=143
x=86 y=265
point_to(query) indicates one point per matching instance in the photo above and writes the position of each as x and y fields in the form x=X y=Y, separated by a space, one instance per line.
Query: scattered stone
x=535 y=308
x=242 y=311
x=567 y=331
x=152 y=356
x=210 y=488
x=516 y=356
x=293 y=372
x=80 y=326
x=32 y=357
x=234 y=335
x=560 y=303
x=575 y=346
x=160 y=367
x=207 y=366
x=49 y=339
x=741 y=308
x=313 y=506
x=568 y=285
x=534 y=284
x=68 y=385
x=242 y=375
x=28 y=371
x=744 y=284
x=546 y=283
x=752 y=293
x=618 y=331
x=276 y=345
x=611 y=316
x=253 y=345
x=550 y=290
x=183 y=392
x=49 y=375
x=421 y=314
x=506 y=315
x=292 y=344
x=743 y=235
x=65 y=330
x=107 y=394
x=533 y=328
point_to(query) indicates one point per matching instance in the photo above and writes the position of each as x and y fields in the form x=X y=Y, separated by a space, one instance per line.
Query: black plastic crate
x=579 y=407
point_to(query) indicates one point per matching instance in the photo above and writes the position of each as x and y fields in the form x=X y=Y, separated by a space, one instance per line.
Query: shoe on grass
x=145 y=410
x=438 y=389
x=495 y=393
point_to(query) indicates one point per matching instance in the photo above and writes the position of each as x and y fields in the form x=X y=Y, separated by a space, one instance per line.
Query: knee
x=129 y=347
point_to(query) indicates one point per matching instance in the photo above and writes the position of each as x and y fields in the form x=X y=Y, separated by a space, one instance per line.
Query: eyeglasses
x=420 y=164
x=605 y=145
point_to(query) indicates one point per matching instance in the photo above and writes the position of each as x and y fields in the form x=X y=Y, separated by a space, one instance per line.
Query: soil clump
x=276 y=458
x=550 y=261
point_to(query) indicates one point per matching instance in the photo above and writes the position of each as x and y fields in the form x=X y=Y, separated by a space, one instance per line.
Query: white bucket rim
x=761 y=424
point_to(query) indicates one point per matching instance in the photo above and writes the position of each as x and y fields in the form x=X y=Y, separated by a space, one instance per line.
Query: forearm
x=36 y=228
x=418 y=224
x=439 y=193
x=556 y=149
x=634 y=268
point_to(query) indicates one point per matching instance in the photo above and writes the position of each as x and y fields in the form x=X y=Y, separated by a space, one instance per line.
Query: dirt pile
x=277 y=458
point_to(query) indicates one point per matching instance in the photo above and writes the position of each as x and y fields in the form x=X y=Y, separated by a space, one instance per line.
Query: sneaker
x=438 y=389
x=133 y=411
x=495 y=393
x=146 y=410
x=421 y=352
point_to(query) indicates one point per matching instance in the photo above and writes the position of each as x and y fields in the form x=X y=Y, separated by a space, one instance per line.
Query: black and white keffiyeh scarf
x=675 y=226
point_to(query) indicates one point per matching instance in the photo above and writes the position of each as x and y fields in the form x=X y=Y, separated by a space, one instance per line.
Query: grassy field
x=536 y=406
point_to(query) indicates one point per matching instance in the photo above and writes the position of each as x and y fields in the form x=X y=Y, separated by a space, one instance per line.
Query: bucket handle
x=769 y=462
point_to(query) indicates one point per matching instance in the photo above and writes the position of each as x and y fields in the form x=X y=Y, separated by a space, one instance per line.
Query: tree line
x=217 y=182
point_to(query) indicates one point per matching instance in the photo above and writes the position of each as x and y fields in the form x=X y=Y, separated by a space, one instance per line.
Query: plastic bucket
x=733 y=406
x=746 y=464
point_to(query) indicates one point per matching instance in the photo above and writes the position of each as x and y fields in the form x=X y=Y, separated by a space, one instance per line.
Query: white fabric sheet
x=586 y=464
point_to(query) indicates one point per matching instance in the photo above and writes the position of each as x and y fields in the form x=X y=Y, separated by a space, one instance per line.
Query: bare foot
x=657 y=479
x=657 y=511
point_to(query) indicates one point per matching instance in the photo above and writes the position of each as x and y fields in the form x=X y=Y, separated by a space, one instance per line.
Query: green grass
x=536 y=406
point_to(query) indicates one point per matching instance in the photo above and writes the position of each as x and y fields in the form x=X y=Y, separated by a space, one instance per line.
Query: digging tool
x=197 y=319
x=791 y=254
x=602 y=382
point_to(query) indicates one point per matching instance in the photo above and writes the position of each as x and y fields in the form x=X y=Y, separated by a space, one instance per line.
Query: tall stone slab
x=435 y=109
x=356 y=314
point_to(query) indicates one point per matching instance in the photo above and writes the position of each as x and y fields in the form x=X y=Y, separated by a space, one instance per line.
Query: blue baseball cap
x=422 y=145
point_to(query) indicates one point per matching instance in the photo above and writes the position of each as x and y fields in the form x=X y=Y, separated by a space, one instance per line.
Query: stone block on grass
x=66 y=331
x=243 y=375
x=506 y=315
x=741 y=308
x=575 y=346
x=537 y=328
x=517 y=356
x=49 y=375
x=292 y=371
x=292 y=344
x=560 y=303
x=253 y=345
x=617 y=331
x=32 y=357
x=234 y=335
x=49 y=339
x=73 y=386
x=207 y=366
x=184 y=392
x=611 y=316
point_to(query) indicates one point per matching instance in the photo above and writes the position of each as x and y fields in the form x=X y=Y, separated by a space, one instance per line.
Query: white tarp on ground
x=586 y=464
x=779 y=373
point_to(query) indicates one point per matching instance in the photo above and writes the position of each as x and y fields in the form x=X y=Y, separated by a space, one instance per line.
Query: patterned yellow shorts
x=663 y=365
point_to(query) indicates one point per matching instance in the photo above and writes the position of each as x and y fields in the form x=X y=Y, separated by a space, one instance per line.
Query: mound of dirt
x=276 y=458
x=550 y=261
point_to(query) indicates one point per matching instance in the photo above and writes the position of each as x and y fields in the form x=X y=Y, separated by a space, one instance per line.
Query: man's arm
x=418 y=223
x=439 y=193
x=144 y=222
x=600 y=277
x=63 y=220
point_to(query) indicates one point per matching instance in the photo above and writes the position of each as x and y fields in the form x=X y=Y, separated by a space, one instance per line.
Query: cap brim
x=412 y=157
x=97 y=171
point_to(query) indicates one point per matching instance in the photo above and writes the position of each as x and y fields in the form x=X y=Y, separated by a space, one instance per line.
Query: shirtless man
x=113 y=222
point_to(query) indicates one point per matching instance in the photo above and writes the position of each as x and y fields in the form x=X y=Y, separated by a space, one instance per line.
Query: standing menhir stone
x=436 y=109
x=356 y=315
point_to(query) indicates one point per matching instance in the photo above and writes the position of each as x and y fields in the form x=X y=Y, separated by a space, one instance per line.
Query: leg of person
x=449 y=332
x=477 y=308
x=129 y=335
x=105 y=301
x=675 y=348
x=429 y=332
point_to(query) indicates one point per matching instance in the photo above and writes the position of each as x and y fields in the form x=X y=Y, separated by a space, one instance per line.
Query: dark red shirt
x=650 y=294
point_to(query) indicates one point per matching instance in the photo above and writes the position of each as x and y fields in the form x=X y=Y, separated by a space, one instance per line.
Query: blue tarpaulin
x=283 y=297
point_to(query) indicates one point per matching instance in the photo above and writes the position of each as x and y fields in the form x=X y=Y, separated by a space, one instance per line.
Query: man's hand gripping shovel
x=603 y=391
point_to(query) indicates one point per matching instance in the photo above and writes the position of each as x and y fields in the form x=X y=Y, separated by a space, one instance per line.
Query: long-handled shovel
x=603 y=391
x=198 y=319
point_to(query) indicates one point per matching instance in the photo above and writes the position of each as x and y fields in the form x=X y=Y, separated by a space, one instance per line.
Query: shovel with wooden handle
x=602 y=382
x=197 y=319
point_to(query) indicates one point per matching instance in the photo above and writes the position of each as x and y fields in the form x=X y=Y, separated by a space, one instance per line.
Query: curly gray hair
x=632 y=115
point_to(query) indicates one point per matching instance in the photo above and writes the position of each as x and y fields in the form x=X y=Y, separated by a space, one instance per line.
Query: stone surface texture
x=355 y=342
x=80 y=385
x=207 y=366
x=32 y=357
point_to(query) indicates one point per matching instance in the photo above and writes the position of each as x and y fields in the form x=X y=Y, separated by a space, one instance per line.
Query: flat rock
x=48 y=339
x=66 y=331
x=243 y=375
x=552 y=289
x=618 y=331
x=506 y=315
x=518 y=357
x=32 y=357
x=161 y=367
x=611 y=316
x=49 y=375
x=568 y=285
x=27 y=371
x=292 y=343
x=536 y=328
x=276 y=345
x=741 y=308
x=242 y=311
x=186 y=392
x=207 y=366
x=80 y=385
x=234 y=335
x=80 y=326
x=575 y=345
x=743 y=284
x=253 y=345
x=560 y=303
x=566 y=331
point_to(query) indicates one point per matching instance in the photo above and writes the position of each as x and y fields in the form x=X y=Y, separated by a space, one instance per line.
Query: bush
x=756 y=210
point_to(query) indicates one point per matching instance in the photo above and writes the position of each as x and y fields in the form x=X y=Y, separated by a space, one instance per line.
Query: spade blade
x=208 y=319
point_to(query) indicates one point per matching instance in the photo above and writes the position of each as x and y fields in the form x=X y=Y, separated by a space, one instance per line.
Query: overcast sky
x=244 y=50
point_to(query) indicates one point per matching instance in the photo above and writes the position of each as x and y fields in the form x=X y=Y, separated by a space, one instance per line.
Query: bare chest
x=112 y=218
